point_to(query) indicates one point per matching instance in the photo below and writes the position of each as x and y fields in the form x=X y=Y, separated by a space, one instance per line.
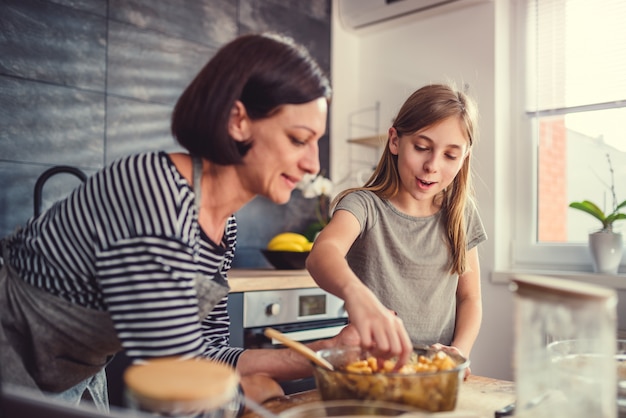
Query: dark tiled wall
x=83 y=82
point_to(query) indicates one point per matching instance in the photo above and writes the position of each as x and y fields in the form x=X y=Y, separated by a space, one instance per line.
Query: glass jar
x=173 y=387
x=564 y=348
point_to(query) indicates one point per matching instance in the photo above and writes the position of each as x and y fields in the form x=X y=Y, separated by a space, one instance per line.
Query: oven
x=305 y=314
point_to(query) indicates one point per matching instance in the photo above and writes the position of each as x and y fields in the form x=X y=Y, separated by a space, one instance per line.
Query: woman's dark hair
x=264 y=72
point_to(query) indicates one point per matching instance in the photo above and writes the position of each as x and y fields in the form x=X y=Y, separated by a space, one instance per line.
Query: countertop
x=479 y=397
x=248 y=280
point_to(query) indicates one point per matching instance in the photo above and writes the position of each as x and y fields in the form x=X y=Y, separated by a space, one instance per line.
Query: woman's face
x=429 y=160
x=284 y=148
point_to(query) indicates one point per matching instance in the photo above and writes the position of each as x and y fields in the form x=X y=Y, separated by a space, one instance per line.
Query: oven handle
x=311 y=334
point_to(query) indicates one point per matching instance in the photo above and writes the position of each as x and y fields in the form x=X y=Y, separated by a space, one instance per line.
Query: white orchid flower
x=315 y=185
x=322 y=186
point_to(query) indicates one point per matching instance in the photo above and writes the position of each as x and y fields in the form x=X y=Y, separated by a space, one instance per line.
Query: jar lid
x=181 y=385
x=541 y=287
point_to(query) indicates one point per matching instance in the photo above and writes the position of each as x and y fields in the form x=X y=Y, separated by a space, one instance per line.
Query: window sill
x=614 y=281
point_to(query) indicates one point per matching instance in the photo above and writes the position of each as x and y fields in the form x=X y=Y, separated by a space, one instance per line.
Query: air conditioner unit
x=360 y=14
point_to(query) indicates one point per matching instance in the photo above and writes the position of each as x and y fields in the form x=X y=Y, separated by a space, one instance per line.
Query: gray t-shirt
x=403 y=259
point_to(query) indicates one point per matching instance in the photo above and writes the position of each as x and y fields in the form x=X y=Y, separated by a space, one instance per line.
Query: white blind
x=576 y=53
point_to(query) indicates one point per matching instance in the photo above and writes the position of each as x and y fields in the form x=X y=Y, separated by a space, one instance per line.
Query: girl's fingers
x=406 y=345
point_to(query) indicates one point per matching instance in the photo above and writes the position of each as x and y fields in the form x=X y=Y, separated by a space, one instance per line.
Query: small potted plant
x=605 y=244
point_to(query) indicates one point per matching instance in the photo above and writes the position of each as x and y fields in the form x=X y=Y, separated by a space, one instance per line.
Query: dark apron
x=50 y=344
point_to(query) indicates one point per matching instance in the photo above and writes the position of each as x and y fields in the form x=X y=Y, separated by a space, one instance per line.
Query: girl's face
x=284 y=148
x=429 y=160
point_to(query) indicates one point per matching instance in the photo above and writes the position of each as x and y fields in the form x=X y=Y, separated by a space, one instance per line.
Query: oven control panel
x=274 y=307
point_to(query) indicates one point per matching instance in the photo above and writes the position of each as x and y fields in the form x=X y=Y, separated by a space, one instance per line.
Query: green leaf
x=312 y=230
x=590 y=208
x=614 y=217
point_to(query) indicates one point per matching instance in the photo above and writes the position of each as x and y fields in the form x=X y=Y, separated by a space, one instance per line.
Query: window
x=573 y=120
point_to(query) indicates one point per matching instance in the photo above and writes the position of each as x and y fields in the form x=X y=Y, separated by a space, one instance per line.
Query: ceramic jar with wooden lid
x=173 y=387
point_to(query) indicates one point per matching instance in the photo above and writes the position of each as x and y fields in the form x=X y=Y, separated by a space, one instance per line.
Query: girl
x=401 y=250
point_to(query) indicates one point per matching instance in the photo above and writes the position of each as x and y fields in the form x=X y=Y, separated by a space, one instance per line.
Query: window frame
x=526 y=253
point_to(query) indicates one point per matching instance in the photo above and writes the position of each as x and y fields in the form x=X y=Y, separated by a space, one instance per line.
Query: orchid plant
x=595 y=211
x=319 y=187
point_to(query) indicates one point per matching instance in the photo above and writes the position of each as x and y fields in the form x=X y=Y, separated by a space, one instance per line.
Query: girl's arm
x=468 y=306
x=377 y=326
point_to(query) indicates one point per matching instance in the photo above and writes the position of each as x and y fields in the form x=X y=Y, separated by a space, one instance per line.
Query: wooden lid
x=177 y=385
x=541 y=287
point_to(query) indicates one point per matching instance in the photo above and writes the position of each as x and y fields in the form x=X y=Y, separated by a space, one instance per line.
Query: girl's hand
x=381 y=331
x=450 y=349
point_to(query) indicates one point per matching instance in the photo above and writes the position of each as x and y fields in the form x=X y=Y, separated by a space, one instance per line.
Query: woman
x=135 y=259
x=402 y=250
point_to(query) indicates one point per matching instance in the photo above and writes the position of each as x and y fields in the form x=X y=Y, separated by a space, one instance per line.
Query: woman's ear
x=394 y=141
x=239 y=123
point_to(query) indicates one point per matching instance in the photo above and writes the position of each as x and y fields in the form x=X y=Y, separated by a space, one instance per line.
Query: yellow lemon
x=290 y=237
x=286 y=246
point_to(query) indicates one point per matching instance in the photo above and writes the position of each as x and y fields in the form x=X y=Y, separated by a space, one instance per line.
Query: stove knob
x=273 y=309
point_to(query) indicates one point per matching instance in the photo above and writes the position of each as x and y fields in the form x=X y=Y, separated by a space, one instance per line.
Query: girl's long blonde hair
x=426 y=107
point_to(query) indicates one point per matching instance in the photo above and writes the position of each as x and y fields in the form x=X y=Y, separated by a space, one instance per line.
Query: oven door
x=302 y=332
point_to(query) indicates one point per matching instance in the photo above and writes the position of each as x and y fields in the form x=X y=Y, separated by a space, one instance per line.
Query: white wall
x=388 y=64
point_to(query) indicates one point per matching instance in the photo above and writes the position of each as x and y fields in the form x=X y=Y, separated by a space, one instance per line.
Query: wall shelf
x=361 y=130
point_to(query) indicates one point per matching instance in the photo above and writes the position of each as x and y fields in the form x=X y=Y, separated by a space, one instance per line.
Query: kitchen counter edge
x=250 y=280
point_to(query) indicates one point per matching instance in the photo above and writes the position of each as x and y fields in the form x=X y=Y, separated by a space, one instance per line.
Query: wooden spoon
x=298 y=347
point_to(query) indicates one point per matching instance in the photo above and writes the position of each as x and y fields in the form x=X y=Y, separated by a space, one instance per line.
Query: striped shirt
x=127 y=241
